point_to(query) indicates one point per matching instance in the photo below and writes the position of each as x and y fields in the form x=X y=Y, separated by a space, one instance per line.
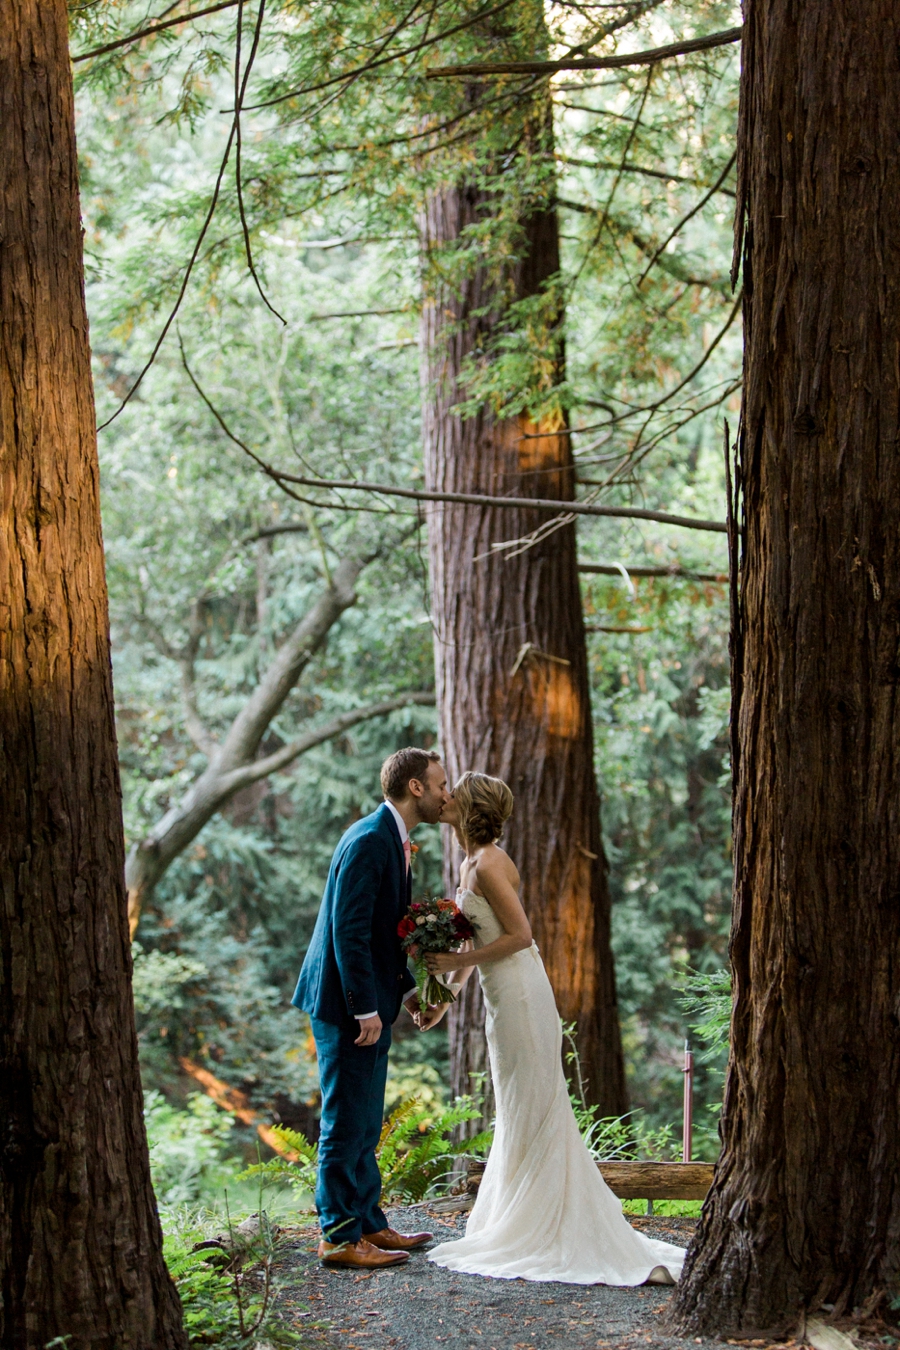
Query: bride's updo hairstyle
x=485 y=805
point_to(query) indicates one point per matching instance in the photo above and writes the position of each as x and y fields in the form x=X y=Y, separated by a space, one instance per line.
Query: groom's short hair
x=401 y=766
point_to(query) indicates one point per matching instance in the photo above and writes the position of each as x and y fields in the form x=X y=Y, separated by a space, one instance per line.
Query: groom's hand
x=369 y=1030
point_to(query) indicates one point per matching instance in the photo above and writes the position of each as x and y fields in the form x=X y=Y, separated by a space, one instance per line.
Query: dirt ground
x=419 y=1306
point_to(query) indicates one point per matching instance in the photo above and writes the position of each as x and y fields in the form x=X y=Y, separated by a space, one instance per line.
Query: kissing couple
x=543 y=1210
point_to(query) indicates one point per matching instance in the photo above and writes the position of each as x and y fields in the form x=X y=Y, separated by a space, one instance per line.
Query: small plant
x=611 y=1138
x=414 y=1160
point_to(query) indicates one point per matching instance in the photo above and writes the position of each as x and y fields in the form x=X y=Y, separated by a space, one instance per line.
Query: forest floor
x=421 y=1306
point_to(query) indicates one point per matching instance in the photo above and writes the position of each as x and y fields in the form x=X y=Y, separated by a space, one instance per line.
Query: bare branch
x=646 y=58
x=353 y=314
x=193 y=722
x=674 y=570
x=280 y=759
x=150 y=857
x=662 y=174
x=513 y=503
x=235 y=127
x=291 y=527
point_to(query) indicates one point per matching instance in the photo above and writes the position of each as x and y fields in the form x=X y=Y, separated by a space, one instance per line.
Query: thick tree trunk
x=511 y=657
x=80 y=1241
x=805 y=1207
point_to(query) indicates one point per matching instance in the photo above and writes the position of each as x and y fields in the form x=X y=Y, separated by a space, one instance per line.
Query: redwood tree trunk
x=805 y=1207
x=80 y=1241
x=511 y=658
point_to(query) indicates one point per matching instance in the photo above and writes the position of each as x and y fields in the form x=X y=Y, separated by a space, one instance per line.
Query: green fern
x=409 y=1170
x=415 y=1152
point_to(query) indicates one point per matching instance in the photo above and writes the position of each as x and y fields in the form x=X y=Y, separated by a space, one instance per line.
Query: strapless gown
x=543 y=1210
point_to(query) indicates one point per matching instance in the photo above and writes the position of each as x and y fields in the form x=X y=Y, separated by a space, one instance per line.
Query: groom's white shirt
x=404 y=835
x=401 y=823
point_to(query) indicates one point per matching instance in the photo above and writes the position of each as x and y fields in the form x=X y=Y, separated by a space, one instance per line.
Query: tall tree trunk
x=805 y=1207
x=511 y=658
x=80 y=1241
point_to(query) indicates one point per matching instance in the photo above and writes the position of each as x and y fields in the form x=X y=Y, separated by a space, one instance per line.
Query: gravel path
x=420 y=1306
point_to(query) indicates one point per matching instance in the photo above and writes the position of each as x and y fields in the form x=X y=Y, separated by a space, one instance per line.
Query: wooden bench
x=642 y=1180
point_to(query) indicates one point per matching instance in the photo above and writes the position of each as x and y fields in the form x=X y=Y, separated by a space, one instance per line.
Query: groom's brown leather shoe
x=360 y=1254
x=391 y=1241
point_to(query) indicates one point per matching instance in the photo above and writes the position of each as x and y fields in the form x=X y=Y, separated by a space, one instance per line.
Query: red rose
x=405 y=927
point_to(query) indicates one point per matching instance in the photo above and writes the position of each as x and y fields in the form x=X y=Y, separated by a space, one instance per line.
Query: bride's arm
x=495 y=886
x=460 y=973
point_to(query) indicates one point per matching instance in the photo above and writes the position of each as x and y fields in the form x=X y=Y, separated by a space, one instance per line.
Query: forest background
x=212 y=565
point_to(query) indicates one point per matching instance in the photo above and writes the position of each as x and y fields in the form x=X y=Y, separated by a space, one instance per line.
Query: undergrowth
x=224 y=1277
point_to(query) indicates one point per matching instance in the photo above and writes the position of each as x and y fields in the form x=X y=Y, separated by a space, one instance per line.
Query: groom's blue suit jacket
x=355 y=963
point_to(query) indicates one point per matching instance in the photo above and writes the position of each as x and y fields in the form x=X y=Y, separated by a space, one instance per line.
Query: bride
x=543 y=1210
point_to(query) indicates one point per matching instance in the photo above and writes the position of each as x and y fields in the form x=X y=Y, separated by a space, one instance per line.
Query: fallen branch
x=646 y=58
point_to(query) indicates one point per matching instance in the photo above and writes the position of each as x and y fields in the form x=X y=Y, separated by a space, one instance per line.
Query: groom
x=353 y=981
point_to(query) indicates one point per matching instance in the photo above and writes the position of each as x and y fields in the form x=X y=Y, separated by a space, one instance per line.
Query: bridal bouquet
x=433 y=926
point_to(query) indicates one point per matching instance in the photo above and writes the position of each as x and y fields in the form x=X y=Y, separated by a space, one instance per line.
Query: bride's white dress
x=543 y=1210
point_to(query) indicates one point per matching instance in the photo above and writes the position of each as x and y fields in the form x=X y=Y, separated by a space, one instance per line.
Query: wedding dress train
x=543 y=1210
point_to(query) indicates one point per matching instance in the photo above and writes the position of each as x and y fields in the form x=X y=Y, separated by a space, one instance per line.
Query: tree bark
x=511 y=657
x=80 y=1241
x=805 y=1206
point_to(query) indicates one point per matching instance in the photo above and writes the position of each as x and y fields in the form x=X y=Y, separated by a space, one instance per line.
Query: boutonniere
x=413 y=850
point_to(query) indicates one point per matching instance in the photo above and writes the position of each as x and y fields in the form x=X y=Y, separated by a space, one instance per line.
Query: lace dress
x=543 y=1210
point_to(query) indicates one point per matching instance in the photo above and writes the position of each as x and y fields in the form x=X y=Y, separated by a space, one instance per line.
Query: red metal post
x=688 y=1119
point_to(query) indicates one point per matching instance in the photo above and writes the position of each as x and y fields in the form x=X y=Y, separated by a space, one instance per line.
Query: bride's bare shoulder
x=493 y=861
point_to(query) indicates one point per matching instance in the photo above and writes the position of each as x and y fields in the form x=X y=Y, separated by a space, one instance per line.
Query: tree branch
x=647 y=58
x=674 y=570
x=193 y=722
x=630 y=168
x=248 y=728
x=280 y=759
x=233 y=764
x=684 y=219
x=376 y=62
x=514 y=503
x=153 y=29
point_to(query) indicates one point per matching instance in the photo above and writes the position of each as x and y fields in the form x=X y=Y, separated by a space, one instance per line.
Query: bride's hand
x=429 y=1017
x=439 y=962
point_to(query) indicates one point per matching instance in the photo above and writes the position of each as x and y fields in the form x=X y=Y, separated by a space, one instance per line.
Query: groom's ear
x=416 y=787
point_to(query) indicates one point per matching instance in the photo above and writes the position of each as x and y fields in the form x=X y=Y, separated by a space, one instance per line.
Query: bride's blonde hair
x=485 y=805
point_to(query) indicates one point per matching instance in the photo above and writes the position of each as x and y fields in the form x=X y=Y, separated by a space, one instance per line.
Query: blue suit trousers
x=352 y=1079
